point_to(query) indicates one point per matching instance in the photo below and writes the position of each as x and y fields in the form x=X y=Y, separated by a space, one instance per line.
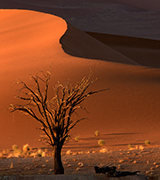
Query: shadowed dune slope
x=143 y=51
x=30 y=43
x=77 y=43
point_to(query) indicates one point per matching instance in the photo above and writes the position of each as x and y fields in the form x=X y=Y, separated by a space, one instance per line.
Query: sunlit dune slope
x=120 y=17
x=30 y=43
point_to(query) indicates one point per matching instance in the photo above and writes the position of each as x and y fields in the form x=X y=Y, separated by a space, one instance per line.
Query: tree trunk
x=58 y=166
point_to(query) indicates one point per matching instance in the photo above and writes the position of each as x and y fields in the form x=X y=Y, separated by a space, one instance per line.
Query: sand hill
x=32 y=41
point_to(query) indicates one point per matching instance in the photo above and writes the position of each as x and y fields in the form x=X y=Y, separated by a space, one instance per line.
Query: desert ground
x=120 y=42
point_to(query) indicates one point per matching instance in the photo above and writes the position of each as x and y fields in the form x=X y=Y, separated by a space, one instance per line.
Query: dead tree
x=54 y=113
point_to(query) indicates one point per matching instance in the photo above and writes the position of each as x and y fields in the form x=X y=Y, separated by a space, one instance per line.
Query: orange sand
x=128 y=113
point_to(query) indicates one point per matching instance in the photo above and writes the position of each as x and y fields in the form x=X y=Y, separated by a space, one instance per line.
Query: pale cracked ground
x=147 y=161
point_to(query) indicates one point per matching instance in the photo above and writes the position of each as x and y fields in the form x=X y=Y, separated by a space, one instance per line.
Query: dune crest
x=120 y=17
x=77 y=43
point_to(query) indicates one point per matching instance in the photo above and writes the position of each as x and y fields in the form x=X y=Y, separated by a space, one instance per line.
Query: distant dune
x=118 y=17
x=32 y=41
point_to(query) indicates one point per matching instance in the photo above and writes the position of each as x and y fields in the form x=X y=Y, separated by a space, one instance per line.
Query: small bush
x=147 y=142
x=76 y=138
x=96 y=133
x=130 y=146
x=101 y=142
x=67 y=138
x=26 y=148
x=14 y=147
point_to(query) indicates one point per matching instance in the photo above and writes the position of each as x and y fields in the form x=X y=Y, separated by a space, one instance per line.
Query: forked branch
x=55 y=114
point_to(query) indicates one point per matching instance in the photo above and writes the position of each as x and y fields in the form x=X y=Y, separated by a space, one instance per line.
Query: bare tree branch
x=55 y=114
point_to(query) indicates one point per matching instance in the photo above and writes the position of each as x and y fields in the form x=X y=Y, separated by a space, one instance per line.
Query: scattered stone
x=122 y=160
x=50 y=170
x=147 y=172
x=27 y=168
x=80 y=164
x=152 y=168
x=11 y=166
x=68 y=152
x=77 y=169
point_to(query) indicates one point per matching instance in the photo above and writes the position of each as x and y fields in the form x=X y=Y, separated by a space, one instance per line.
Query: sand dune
x=77 y=43
x=119 y=17
x=31 y=42
x=145 y=52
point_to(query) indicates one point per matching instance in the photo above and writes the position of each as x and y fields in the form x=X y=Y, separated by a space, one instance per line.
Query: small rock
x=80 y=164
x=68 y=152
x=151 y=168
x=11 y=166
x=122 y=160
x=147 y=172
x=27 y=168
x=77 y=169
x=69 y=165
x=50 y=170
x=43 y=165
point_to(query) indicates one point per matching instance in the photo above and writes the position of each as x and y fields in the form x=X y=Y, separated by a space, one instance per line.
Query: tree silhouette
x=55 y=113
